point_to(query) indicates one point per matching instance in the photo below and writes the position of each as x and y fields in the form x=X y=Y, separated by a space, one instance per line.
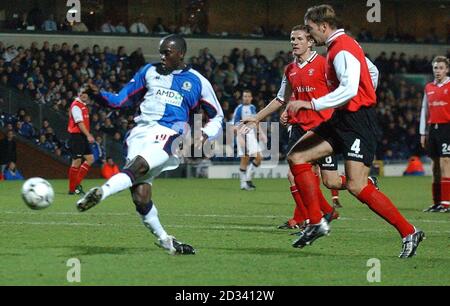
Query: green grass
x=234 y=232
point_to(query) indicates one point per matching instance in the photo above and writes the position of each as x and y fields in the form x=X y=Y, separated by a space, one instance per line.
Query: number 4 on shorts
x=356 y=147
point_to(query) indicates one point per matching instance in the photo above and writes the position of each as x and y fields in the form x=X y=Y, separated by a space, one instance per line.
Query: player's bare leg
x=328 y=211
x=142 y=198
x=310 y=148
x=357 y=174
x=335 y=182
x=332 y=180
x=134 y=170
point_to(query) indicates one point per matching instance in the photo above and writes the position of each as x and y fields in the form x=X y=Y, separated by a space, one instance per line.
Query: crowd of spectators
x=52 y=75
x=35 y=21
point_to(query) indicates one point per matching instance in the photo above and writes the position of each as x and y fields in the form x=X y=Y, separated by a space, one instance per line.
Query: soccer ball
x=37 y=193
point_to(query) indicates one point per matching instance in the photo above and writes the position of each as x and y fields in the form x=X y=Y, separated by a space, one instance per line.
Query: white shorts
x=153 y=143
x=248 y=145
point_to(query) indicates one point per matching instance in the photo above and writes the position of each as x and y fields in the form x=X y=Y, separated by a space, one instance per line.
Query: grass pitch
x=234 y=232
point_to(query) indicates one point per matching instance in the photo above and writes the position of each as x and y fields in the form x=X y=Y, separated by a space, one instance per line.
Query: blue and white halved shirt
x=168 y=99
x=243 y=112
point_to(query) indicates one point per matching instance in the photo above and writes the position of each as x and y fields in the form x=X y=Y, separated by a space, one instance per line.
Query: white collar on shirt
x=443 y=83
x=334 y=35
x=308 y=60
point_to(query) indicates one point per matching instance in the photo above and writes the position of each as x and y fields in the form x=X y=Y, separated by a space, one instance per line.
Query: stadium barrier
x=217 y=46
x=33 y=161
x=231 y=171
x=13 y=100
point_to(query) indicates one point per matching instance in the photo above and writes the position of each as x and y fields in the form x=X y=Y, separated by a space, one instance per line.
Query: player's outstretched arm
x=250 y=123
x=131 y=93
x=284 y=94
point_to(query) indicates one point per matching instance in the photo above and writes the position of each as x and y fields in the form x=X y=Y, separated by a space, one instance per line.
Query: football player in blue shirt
x=165 y=94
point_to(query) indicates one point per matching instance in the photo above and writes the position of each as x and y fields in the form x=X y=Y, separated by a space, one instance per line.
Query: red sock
x=309 y=191
x=300 y=212
x=445 y=191
x=344 y=182
x=73 y=173
x=335 y=193
x=382 y=206
x=437 y=193
x=82 y=172
x=324 y=205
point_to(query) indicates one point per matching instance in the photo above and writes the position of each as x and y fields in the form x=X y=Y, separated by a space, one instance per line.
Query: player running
x=170 y=91
x=351 y=131
x=248 y=147
x=435 y=132
x=304 y=79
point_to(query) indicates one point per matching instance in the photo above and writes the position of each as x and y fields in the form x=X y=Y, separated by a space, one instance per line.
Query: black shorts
x=439 y=140
x=352 y=134
x=79 y=146
x=328 y=163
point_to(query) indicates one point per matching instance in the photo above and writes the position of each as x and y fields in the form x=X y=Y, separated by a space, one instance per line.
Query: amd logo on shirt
x=167 y=96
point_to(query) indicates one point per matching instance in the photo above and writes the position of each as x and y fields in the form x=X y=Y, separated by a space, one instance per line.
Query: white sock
x=243 y=176
x=151 y=221
x=115 y=184
x=250 y=170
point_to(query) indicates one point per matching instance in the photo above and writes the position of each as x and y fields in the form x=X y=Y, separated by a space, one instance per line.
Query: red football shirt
x=73 y=126
x=307 y=81
x=366 y=93
x=438 y=98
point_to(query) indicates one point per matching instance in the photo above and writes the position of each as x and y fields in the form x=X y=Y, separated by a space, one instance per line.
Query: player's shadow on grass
x=265 y=251
x=247 y=230
x=288 y=251
x=100 y=250
x=412 y=209
x=277 y=204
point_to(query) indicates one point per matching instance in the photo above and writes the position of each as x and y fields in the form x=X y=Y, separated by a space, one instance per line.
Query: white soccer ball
x=37 y=193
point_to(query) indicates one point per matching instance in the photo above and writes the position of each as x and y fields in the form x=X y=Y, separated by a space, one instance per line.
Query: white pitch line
x=269 y=228
x=131 y=214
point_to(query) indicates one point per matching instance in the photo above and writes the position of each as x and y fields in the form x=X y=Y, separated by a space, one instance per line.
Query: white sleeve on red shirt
x=282 y=90
x=374 y=73
x=424 y=116
x=77 y=114
x=285 y=89
x=348 y=70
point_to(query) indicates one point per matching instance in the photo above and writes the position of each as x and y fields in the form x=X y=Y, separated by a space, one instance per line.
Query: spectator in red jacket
x=109 y=168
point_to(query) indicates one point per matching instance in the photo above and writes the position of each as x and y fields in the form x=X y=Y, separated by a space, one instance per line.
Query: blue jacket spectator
x=26 y=130
x=50 y=24
x=12 y=173
x=45 y=144
x=98 y=151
